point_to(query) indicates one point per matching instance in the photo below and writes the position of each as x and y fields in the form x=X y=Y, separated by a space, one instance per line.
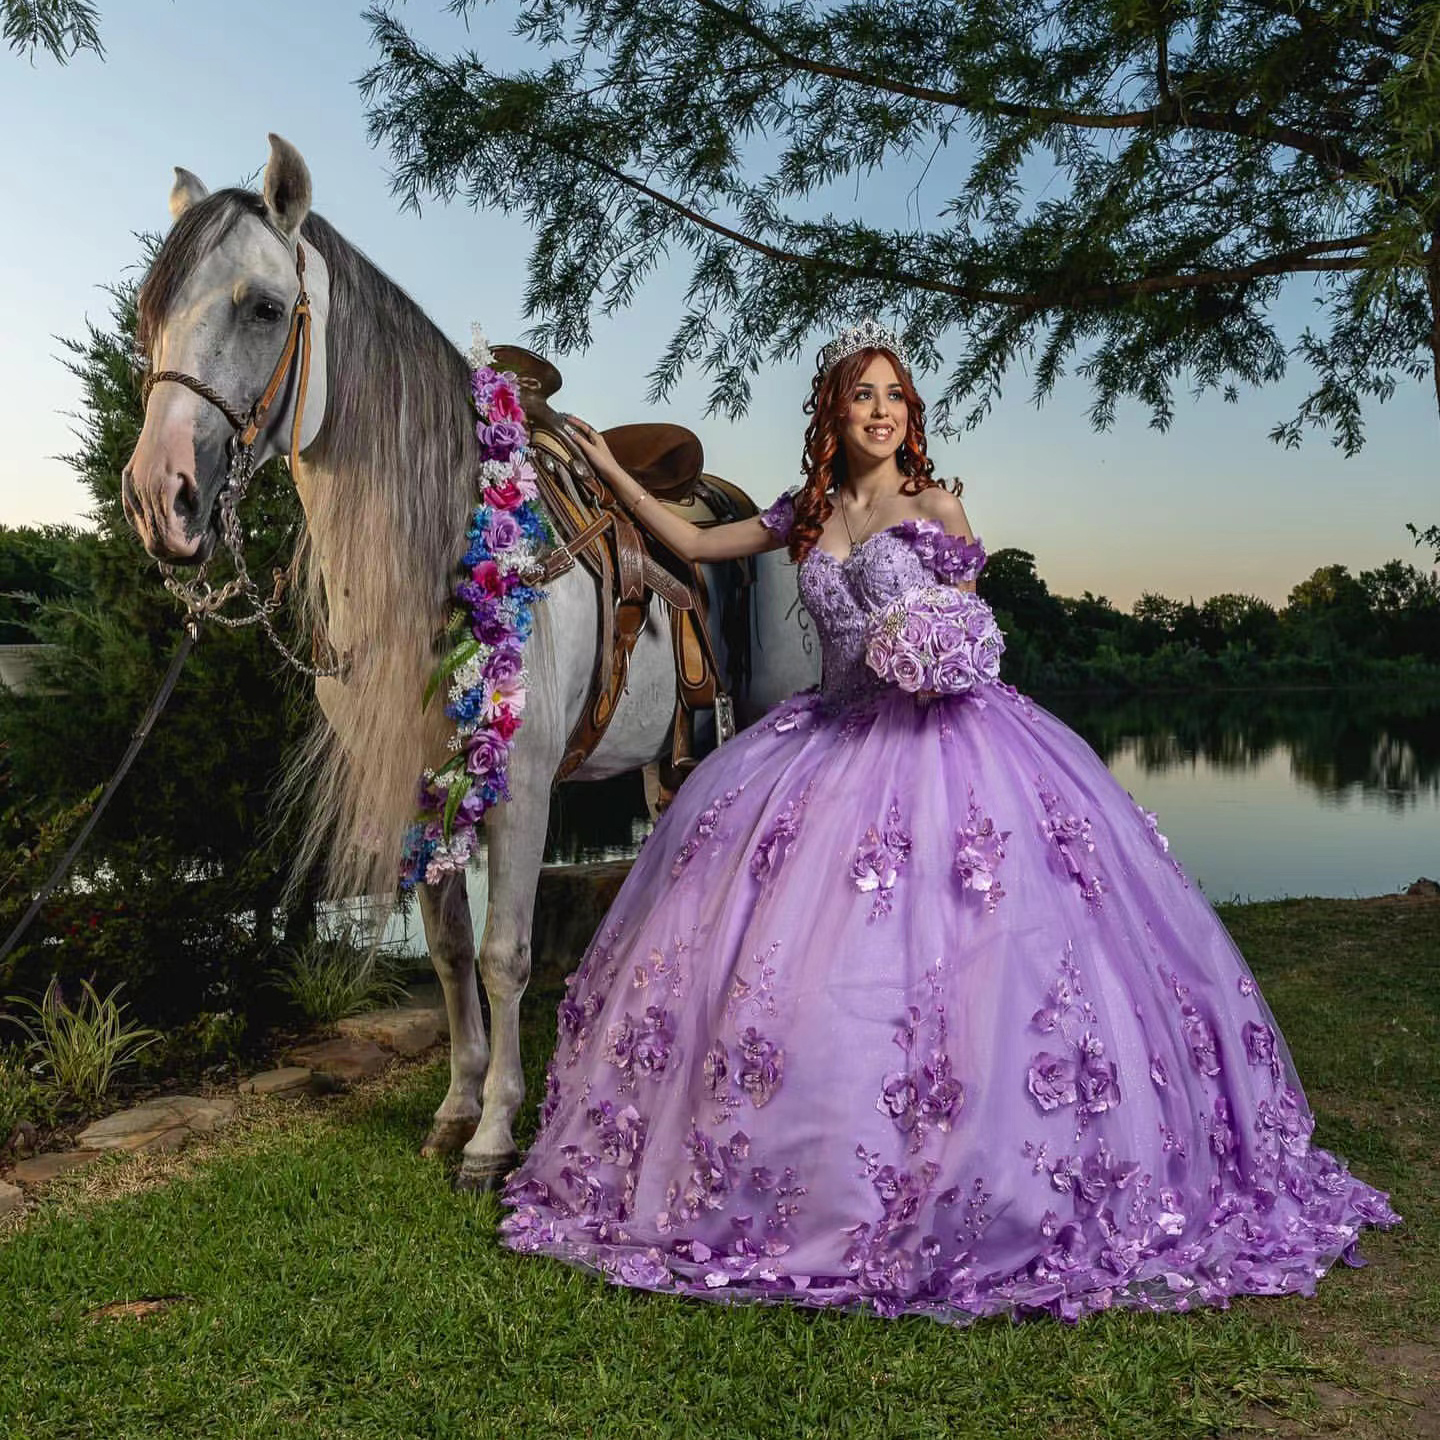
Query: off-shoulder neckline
x=918 y=521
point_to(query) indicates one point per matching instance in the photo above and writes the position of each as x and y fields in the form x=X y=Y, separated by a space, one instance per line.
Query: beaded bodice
x=843 y=595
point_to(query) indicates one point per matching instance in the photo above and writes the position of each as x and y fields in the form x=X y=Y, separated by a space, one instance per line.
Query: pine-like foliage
x=61 y=28
x=1123 y=187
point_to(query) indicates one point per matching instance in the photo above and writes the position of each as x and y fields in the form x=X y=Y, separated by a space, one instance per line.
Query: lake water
x=1304 y=792
x=1293 y=793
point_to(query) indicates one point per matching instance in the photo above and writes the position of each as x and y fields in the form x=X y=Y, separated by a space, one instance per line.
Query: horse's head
x=217 y=308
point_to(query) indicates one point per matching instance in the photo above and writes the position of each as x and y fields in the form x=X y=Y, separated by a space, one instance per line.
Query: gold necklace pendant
x=849 y=533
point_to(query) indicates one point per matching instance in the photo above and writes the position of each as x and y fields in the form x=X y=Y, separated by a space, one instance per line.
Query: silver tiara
x=869 y=334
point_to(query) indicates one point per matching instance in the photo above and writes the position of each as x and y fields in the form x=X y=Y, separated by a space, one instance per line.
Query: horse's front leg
x=450 y=937
x=515 y=834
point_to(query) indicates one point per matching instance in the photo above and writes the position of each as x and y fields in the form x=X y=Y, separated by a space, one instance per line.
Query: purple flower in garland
x=485 y=754
x=505 y=662
x=489 y=625
x=503 y=531
x=500 y=440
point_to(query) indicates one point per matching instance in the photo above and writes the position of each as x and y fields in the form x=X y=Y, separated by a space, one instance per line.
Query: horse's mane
x=388 y=485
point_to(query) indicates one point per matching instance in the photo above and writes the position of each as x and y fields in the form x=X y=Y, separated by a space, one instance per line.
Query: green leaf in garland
x=467 y=649
x=455 y=762
x=456 y=793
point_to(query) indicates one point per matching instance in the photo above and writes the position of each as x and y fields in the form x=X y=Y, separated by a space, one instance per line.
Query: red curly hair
x=824 y=458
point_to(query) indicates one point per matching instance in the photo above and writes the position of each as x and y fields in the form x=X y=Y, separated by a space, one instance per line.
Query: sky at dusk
x=1212 y=505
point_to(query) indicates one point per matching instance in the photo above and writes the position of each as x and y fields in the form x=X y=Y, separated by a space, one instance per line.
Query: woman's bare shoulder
x=937 y=503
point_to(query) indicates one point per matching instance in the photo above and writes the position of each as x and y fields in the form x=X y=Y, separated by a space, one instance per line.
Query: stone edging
x=365 y=1046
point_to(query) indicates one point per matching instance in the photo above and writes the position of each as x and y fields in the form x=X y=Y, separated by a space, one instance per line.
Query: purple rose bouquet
x=935 y=639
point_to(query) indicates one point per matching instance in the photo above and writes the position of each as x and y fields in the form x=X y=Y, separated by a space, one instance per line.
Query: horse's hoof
x=480 y=1177
x=447 y=1137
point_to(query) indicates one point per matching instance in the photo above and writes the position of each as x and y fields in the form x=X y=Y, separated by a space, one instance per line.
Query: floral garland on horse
x=492 y=616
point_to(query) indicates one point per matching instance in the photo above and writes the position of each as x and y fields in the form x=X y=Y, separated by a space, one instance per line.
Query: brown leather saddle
x=631 y=567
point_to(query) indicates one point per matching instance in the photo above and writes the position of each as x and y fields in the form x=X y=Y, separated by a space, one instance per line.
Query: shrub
x=339 y=974
x=23 y=1097
x=79 y=1050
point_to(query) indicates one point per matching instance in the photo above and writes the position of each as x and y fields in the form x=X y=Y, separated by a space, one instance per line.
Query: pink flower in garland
x=504 y=497
x=505 y=403
x=488 y=577
x=525 y=482
x=505 y=724
x=503 y=695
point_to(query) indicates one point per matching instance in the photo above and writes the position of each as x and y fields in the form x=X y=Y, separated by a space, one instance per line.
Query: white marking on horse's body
x=387 y=480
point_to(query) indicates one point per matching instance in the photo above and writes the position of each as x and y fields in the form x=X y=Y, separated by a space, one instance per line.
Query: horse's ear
x=188 y=188
x=287 y=187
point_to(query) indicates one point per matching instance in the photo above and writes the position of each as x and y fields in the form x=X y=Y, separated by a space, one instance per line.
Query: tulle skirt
x=907 y=1006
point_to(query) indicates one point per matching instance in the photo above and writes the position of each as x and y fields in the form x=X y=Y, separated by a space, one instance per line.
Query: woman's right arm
x=690 y=542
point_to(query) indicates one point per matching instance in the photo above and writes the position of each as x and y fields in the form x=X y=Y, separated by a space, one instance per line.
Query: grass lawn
x=329 y=1282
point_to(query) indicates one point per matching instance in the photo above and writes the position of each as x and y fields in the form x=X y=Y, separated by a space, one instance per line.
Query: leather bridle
x=200 y=598
x=247 y=426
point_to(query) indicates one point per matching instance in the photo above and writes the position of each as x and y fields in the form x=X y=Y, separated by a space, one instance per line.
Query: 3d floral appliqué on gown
x=905 y=1005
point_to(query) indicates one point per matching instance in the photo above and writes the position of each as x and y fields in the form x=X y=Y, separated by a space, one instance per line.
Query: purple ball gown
x=906 y=1006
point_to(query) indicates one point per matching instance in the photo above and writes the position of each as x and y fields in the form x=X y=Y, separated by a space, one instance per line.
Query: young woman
x=905 y=1003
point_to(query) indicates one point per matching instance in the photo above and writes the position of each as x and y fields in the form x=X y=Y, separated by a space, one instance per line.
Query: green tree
x=1123 y=188
x=181 y=879
x=1404 y=605
x=1092 y=621
x=31 y=559
x=1328 y=613
x=62 y=28
x=1243 y=620
x=1157 y=620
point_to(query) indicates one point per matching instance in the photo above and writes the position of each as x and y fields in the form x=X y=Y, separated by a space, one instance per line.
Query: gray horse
x=387 y=475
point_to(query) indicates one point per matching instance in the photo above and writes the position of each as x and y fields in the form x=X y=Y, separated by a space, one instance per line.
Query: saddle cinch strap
x=595 y=530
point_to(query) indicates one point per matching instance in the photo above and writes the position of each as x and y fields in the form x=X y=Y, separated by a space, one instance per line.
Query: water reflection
x=1262 y=795
x=1386 y=748
x=596 y=820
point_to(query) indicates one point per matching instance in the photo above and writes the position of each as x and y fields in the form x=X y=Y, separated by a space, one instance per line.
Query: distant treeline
x=1381 y=626
x=1335 y=628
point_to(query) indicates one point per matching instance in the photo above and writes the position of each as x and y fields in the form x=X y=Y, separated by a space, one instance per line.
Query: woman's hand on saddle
x=593 y=446
x=690 y=542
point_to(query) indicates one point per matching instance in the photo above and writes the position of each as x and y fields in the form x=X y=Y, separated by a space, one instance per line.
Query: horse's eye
x=267 y=311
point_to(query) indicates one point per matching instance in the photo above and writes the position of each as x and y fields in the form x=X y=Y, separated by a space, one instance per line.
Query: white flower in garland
x=479 y=354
